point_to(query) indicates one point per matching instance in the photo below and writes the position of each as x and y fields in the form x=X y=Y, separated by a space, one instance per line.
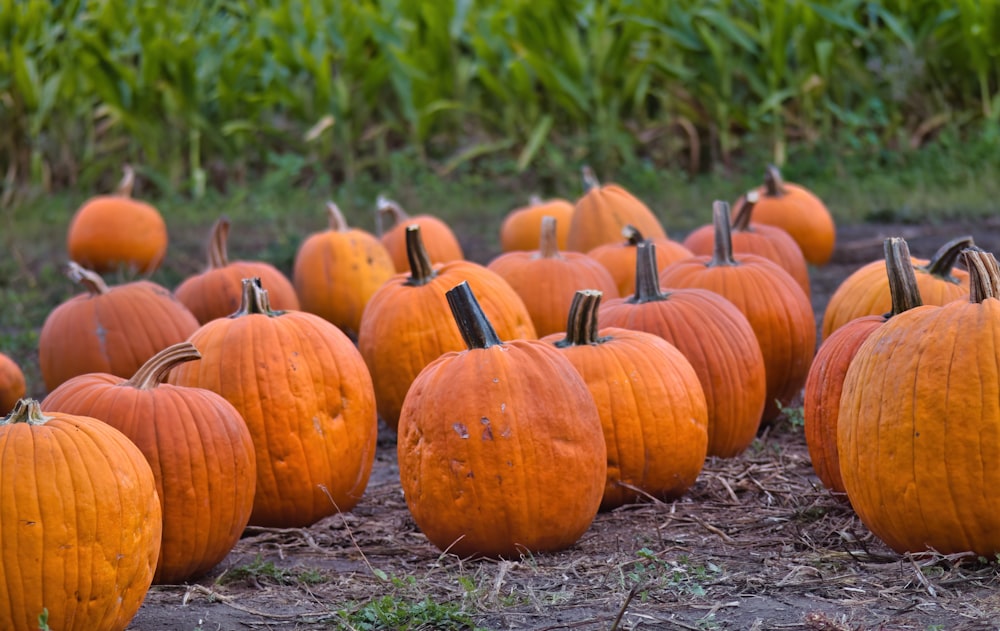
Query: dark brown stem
x=647 y=277
x=945 y=259
x=336 y=220
x=548 y=243
x=475 y=327
x=218 y=256
x=581 y=326
x=632 y=235
x=774 y=185
x=984 y=274
x=127 y=182
x=154 y=371
x=421 y=268
x=744 y=212
x=254 y=300
x=723 y=252
x=91 y=280
x=590 y=180
x=26 y=410
x=902 y=279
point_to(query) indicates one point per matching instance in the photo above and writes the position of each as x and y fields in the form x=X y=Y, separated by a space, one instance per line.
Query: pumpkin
x=620 y=258
x=650 y=402
x=500 y=447
x=109 y=329
x=439 y=239
x=919 y=424
x=603 y=211
x=408 y=323
x=521 y=228
x=197 y=445
x=752 y=237
x=112 y=232
x=799 y=212
x=866 y=291
x=825 y=381
x=777 y=308
x=81 y=524
x=307 y=398
x=12 y=384
x=337 y=271
x=717 y=340
x=546 y=279
x=215 y=292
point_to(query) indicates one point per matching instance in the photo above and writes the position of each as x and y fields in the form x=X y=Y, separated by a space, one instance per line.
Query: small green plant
x=43 y=620
x=794 y=415
x=679 y=575
x=391 y=612
x=260 y=572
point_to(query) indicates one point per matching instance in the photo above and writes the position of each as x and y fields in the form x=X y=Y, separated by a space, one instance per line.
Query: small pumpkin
x=521 y=227
x=113 y=232
x=500 y=448
x=603 y=211
x=199 y=449
x=215 y=292
x=12 y=384
x=620 y=258
x=81 y=522
x=439 y=239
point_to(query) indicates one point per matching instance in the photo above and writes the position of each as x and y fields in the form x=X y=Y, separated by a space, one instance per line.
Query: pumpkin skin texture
x=337 y=271
x=778 y=310
x=825 y=382
x=408 y=323
x=439 y=239
x=81 y=524
x=12 y=385
x=547 y=279
x=197 y=445
x=603 y=211
x=650 y=401
x=718 y=342
x=919 y=424
x=866 y=291
x=521 y=228
x=619 y=258
x=307 y=398
x=500 y=446
x=112 y=232
x=109 y=329
x=215 y=292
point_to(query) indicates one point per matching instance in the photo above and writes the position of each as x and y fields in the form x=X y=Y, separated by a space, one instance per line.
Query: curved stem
x=647 y=277
x=254 y=300
x=421 y=268
x=91 y=280
x=632 y=235
x=774 y=185
x=744 y=212
x=902 y=280
x=581 y=325
x=385 y=206
x=335 y=219
x=946 y=257
x=218 y=244
x=590 y=180
x=154 y=371
x=127 y=182
x=723 y=252
x=473 y=324
x=535 y=200
x=984 y=274
x=548 y=242
x=26 y=410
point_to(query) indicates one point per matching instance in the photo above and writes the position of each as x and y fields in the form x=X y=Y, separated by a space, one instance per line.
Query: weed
x=390 y=612
x=260 y=572
x=679 y=575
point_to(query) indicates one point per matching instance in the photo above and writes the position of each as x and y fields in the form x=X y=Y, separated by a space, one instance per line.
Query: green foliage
x=390 y=612
x=650 y=571
x=260 y=572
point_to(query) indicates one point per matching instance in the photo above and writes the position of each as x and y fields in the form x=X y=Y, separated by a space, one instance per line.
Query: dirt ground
x=756 y=544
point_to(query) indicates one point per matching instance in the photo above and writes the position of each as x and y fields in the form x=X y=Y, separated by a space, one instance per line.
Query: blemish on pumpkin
x=487 y=432
x=461 y=430
x=496 y=380
x=317 y=425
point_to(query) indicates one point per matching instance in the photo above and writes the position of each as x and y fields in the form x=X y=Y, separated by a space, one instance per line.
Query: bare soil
x=756 y=544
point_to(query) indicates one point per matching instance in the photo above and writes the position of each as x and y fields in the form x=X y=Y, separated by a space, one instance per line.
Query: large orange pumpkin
x=80 y=526
x=650 y=401
x=521 y=228
x=197 y=445
x=439 y=239
x=620 y=258
x=215 y=292
x=603 y=211
x=116 y=232
x=109 y=329
x=12 y=384
x=500 y=446
x=306 y=396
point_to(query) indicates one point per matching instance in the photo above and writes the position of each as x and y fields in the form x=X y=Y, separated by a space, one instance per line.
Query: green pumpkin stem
x=421 y=268
x=548 y=242
x=984 y=274
x=647 y=277
x=581 y=326
x=26 y=410
x=154 y=371
x=774 y=184
x=632 y=235
x=385 y=206
x=472 y=323
x=945 y=259
x=590 y=181
x=335 y=219
x=127 y=183
x=254 y=300
x=902 y=279
x=722 y=254
x=744 y=212
x=218 y=257
x=91 y=280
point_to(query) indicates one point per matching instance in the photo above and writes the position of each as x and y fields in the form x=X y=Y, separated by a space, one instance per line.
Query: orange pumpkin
x=81 y=522
x=307 y=398
x=109 y=329
x=12 y=385
x=215 y=292
x=603 y=211
x=112 y=232
x=197 y=445
x=620 y=258
x=521 y=228
x=408 y=324
x=441 y=243
x=500 y=446
x=650 y=401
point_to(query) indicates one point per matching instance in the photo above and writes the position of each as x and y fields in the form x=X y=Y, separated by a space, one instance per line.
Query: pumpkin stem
x=91 y=280
x=472 y=322
x=945 y=259
x=254 y=300
x=548 y=243
x=127 y=182
x=590 y=181
x=774 y=184
x=902 y=279
x=154 y=371
x=581 y=326
x=26 y=410
x=723 y=253
x=217 y=244
x=385 y=206
x=744 y=211
x=984 y=274
x=632 y=235
x=647 y=278
x=535 y=200
x=336 y=220
x=421 y=269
